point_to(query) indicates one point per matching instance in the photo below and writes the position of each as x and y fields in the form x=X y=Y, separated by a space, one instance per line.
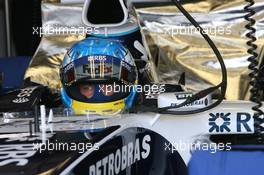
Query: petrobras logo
x=230 y=123
x=122 y=158
x=97 y=58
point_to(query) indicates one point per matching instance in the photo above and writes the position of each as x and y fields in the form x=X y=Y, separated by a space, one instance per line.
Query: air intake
x=104 y=13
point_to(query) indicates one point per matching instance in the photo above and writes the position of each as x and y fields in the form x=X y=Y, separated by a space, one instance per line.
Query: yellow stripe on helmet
x=108 y=108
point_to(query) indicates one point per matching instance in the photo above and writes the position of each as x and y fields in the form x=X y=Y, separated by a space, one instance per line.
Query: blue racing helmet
x=98 y=76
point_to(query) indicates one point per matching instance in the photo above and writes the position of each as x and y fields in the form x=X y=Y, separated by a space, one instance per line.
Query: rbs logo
x=240 y=122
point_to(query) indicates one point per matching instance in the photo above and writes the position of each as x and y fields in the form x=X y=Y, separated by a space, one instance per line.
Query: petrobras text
x=122 y=158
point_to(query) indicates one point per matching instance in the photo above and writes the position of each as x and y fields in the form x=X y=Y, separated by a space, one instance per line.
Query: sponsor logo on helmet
x=124 y=64
x=97 y=69
x=97 y=58
x=68 y=67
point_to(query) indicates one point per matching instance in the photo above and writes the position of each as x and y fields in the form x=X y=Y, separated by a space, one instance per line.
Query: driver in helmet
x=91 y=71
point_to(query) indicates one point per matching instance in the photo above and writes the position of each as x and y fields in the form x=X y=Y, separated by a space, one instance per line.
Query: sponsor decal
x=17 y=153
x=181 y=97
x=219 y=127
x=231 y=122
x=24 y=93
x=122 y=158
x=68 y=67
x=87 y=69
x=20 y=100
x=97 y=58
x=128 y=67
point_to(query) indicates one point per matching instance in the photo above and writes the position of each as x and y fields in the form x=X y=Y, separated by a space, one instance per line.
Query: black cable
x=203 y=93
x=253 y=59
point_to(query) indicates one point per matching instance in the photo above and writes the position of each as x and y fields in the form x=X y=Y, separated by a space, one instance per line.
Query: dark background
x=23 y=15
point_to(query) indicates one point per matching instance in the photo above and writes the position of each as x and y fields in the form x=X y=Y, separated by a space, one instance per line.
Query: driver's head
x=91 y=69
x=87 y=90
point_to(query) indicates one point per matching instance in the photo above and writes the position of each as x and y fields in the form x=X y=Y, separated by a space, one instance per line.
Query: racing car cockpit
x=117 y=87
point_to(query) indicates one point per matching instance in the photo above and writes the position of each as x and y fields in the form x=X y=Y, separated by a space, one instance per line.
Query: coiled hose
x=253 y=66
